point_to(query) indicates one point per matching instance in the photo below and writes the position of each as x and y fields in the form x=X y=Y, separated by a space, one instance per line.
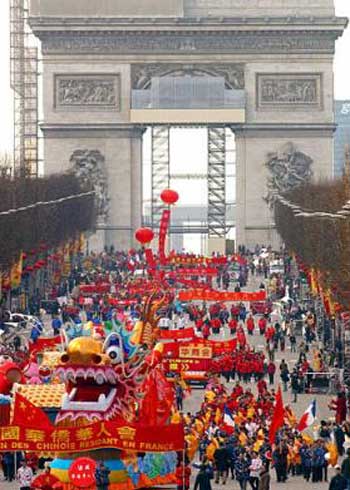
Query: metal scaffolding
x=24 y=82
x=160 y=169
x=216 y=182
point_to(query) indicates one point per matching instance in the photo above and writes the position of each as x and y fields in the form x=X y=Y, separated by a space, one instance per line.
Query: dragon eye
x=114 y=354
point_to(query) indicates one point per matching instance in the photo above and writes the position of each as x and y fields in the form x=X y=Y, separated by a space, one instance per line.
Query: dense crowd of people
x=228 y=435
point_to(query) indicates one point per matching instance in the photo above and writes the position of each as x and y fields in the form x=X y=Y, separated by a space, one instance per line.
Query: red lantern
x=144 y=235
x=82 y=472
x=24 y=255
x=168 y=196
x=29 y=268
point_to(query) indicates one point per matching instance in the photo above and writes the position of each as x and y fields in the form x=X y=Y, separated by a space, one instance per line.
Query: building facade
x=98 y=56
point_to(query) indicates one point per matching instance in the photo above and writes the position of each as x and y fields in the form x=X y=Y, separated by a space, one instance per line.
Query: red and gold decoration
x=144 y=235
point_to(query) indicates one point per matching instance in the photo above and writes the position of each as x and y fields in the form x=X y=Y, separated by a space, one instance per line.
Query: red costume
x=250 y=324
x=232 y=325
x=262 y=325
x=339 y=405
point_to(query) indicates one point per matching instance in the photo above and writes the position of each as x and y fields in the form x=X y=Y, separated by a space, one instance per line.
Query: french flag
x=308 y=418
x=229 y=423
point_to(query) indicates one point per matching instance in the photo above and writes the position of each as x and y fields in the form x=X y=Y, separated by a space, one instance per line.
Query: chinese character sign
x=82 y=472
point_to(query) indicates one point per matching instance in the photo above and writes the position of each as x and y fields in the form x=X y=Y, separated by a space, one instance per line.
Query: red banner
x=192 y=284
x=186 y=333
x=199 y=271
x=202 y=295
x=116 y=435
x=95 y=288
x=184 y=365
x=150 y=258
x=42 y=344
x=216 y=260
x=223 y=346
x=201 y=349
x=121 y=302
x=163 y=230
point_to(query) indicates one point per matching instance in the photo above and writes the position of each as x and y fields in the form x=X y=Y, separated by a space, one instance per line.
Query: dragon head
x=103 y=379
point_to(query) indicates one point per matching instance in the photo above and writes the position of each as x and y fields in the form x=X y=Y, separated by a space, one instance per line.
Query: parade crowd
x=228 y=438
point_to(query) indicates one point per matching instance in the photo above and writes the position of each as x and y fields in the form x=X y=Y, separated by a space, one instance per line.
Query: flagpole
x=183 y=468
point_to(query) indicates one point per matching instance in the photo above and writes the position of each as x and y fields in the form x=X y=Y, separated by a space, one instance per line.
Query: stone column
x=274 y=159
x=124 y=173
x=240 y=218
x=120 y=146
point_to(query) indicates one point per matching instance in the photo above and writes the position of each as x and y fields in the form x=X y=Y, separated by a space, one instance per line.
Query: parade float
x=103 y=415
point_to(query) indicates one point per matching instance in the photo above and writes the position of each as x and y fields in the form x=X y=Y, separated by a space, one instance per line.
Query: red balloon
x=82 y=472
x=144 y=235
x=168 y=196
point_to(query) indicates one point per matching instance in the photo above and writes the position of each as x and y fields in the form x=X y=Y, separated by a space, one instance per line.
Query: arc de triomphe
x=274 y=57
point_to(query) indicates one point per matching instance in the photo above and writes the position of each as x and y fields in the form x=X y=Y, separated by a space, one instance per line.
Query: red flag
x=158 y=400
x=26 y=414
x=278 y=416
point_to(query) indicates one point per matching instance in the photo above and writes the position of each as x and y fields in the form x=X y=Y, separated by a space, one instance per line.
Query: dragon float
x=106 y=380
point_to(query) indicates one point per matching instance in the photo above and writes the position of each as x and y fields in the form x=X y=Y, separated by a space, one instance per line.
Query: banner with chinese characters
x=163 y=230
x=202 y=349
x=186 y=365
x=203 y=295
x=117 y=435
x=196 y=350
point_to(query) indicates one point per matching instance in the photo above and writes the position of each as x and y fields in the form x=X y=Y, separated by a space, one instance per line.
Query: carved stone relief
x=89 y=167
x=87 y=91
x=288 y=168
x=186 y=42
x=288 y=90
x=141 y=74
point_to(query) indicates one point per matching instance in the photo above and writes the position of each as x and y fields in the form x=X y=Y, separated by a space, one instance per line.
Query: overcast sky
x=342 y=70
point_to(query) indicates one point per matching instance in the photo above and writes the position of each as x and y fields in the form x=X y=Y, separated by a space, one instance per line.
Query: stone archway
x=281 y=55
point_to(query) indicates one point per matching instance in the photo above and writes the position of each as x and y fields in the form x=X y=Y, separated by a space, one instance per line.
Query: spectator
x=345 y=468
x=255 y=470
x=221 y=458
x=24 y=476
x=203 y=479
x=338 y=482
x=102 y=476
x=264 y=479
x=271 y=369
x=295 y=385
